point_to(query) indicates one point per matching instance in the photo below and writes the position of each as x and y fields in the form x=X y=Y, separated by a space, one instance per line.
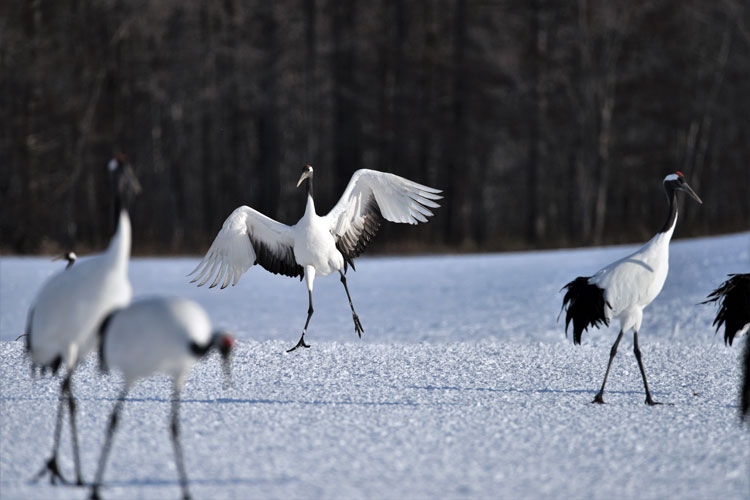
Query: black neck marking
x=201 y=350
x=672 y=213
x=310 y=186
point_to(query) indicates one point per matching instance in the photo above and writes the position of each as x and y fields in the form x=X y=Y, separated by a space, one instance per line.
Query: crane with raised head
x=63 y=318
x=316 y=245
x=624 y=288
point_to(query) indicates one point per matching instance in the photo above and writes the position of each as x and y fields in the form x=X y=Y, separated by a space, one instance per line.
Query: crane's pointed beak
x=302 y=177
x=225 y=350
x=685 y=187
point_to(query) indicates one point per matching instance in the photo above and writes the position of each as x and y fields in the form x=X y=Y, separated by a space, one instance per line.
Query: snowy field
x=463 y=386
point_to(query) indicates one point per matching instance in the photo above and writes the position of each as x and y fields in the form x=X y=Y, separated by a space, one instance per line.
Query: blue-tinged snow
x=463 y=385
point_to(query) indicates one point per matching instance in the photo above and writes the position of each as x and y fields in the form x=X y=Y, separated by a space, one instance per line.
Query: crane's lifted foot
x=54 y=474
x=357 y=325
x=301 y=343
x=599 y=398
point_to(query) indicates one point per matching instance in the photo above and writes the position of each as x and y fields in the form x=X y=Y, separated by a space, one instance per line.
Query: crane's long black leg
x=175 y=428
x=637 y=352
x=51 y=464
x=74 y=431
x=107 y=444
x=301 y=342
x=599 y=398
x=357 y=325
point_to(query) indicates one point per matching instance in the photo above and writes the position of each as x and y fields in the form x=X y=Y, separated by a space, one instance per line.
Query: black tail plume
x=584 y=303
x=734 y=310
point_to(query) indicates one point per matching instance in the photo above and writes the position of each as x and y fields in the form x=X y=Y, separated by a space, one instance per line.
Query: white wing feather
x=368 y=196
x=247 y=237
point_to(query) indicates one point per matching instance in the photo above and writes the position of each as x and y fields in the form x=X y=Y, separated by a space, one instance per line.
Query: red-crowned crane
x=63 y=319
x=733 y=297
x=315 y=245
x=624 y=288
x=157 y=335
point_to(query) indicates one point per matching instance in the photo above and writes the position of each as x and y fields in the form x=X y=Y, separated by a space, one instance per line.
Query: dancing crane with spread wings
x=315 y=245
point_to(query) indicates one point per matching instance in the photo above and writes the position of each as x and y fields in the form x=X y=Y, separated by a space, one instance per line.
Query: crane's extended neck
x=671 y=221
x=310 y=207
x=119 y=246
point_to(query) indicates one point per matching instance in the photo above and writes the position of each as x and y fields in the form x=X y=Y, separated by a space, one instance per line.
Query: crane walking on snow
x=624 y=288
x=63 y=319
x=734 y=313
x=315 y=245
x=153 y=335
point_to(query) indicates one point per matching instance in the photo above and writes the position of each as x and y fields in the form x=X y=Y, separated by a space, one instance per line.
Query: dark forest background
x=546 y=123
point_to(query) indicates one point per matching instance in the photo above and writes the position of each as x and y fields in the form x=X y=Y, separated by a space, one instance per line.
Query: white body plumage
x=633 y=282
x=66 y=314
x=154 y=335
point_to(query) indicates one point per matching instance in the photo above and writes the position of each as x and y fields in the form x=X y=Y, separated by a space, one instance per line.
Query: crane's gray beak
x=225 y=350
x=302 y=177
x=685 y=187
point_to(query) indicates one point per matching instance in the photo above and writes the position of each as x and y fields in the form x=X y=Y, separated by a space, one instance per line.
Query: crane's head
x=307 y=171
x=676 y=182
x=124 y=180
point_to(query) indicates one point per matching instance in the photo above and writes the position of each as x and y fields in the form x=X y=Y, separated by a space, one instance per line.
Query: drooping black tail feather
x=734 y=311
x=584 y=304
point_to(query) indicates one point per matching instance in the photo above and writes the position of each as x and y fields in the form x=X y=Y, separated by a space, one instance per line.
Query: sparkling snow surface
x=463 y=386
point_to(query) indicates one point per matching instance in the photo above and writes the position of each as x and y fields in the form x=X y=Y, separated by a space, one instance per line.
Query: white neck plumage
x=119 y=247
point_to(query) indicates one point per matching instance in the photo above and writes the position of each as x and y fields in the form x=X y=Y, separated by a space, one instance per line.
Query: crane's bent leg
x=357 y=325
x=301 y=342
x=175 y=428
x=599 y=398
x=51 y=465
x=637 y=352
x=107 y=444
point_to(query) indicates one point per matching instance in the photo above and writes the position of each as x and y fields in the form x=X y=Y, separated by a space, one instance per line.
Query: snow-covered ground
x=463 y=385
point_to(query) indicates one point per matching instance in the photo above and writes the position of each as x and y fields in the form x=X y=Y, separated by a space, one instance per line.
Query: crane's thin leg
x=51 y=464
x=301 y=342
x=74 y=432
x=107 y=444
x=599 y=398
x=357 y=325
x=637 y=352
x=175 y=428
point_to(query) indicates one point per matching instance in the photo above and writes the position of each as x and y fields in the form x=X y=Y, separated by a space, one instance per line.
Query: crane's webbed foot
x=54 y=473
x=301 y=343
x=357 y=325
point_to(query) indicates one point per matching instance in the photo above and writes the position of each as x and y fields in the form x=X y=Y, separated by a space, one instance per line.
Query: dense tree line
x=546 y=123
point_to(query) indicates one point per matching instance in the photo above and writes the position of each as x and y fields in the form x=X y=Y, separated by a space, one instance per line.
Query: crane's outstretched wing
x=247 y=238
x=370 y=197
